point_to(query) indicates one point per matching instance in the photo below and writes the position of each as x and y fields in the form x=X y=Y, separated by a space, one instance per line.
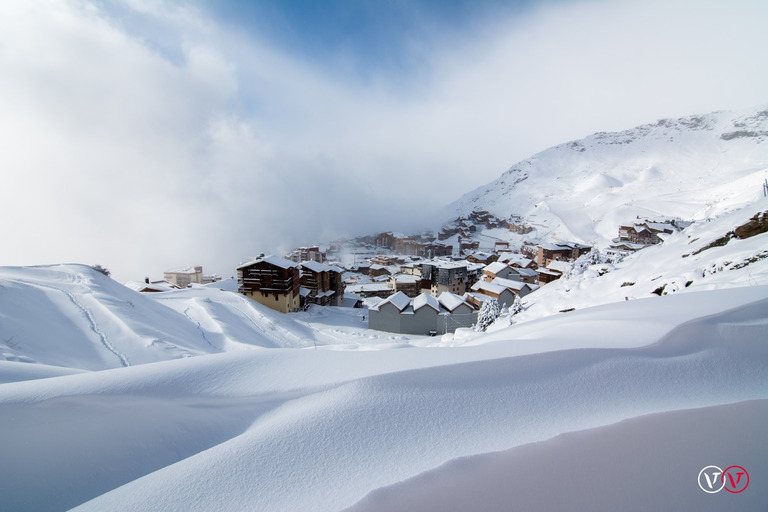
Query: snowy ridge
x=75 y=317
x=691 y=168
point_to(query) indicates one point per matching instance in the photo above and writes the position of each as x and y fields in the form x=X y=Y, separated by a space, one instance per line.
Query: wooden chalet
x=321 y=284
x=271 y=281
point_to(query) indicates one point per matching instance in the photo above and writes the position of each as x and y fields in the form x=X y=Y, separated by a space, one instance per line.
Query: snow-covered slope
x=287 y=429
x=702 y=257
x=691 y=168
x=74 y=317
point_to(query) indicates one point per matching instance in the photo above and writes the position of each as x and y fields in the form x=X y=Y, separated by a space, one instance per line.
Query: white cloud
x=165 y=139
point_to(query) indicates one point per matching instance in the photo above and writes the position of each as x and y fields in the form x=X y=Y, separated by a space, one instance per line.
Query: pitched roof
x=485 y=286
x=426 y=299
x=399 y=300
x=509 y=284
x=495 y=267
x=559 y=266
x=315 y=266
x=272 y=260
x=451 y=301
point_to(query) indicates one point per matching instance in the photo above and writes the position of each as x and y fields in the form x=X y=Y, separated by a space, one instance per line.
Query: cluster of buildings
x=175 y=279
x=418 y=285
x=636 y=236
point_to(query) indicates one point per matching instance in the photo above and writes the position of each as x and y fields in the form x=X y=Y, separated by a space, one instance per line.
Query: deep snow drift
x=287 y=429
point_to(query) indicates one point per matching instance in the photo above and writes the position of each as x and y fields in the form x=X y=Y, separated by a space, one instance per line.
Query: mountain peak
x=691 y=168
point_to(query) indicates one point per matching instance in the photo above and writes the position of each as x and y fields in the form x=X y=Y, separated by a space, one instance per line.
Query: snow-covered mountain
x=691 y=168
x=612 y=389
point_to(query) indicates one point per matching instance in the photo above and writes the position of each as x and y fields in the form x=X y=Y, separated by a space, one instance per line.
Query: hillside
x=691 y=168
x=611 y=389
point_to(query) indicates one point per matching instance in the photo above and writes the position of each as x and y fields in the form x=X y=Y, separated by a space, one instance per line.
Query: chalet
x=424 y=314
x=468 y=245
x=271 y=281
x=517 y=287
x=500 y=247
x=503 y=295
x=378 y=270
x=563 y=267
x=562 y=251
x=499 y=269
x=183 y=277
x=645 y=233
x=407 y=283
x=527 y=275
x=482 y=257
x=547 y=276
x=517 y=260
x=387 y=261
x=321 y=284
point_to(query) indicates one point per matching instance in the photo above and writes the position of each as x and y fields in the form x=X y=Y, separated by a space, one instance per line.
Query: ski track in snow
x=199 y=328
x=103 y=338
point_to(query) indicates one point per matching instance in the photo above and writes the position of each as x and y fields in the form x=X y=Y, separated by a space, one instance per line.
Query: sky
x=144 y=135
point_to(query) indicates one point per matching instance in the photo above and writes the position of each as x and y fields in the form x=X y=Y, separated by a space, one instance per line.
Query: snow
x=583 y=190
x=450 y=301
x=610 y=390
x=495 y=267
x=287 y=429
x=272 y=260
x=638 y=463
x=425 y=299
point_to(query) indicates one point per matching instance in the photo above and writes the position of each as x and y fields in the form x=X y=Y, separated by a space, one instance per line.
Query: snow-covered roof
x=509 y=284
x=185 y=270
x=446 y=264
x=479 y=297
x=495 y=267
x=399 y=300
x=559 y=266
x=272 y=260
x=157 y=286
x=369 y=287
x=660 y=226
x=554 y=247
x=406 y=278
x=527 y=272
x=314 y=266
x=485 y=286
x=450 y=301
x=425 y=299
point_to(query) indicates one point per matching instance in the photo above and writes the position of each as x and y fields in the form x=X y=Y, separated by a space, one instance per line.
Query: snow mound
x=287 y=429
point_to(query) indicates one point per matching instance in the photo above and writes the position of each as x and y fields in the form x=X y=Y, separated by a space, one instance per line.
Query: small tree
x=516 y=307
x=99 y=268
x=489 y=312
